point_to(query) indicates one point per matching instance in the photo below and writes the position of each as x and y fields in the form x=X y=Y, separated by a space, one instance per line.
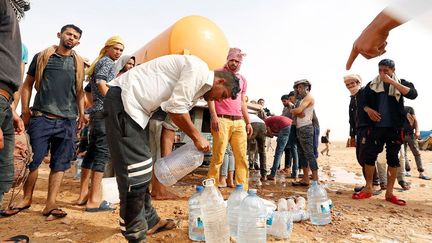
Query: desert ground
x=369 y=220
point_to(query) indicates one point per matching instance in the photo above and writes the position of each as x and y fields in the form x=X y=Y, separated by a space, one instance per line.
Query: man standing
x=10 y=81
x=230 y=123
x=174 y=83
x=291 y=156
x=384 y=105
x=57 y=74
x=412 y=133
x=101 y=72
x=304 y=114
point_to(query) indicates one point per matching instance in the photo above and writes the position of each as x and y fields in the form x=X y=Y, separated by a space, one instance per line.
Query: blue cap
x=199 y=188
x=252 y=191
x=239 y=186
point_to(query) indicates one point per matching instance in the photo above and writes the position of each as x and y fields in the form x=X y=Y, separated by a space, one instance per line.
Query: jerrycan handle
x=208 y=182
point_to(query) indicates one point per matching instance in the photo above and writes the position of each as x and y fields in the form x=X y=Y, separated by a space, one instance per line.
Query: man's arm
x=244 y=110
x=184 y=122
x=102 y=86
x=213 y=116
x=303 y=105
x=26 y=92
x=80 y=104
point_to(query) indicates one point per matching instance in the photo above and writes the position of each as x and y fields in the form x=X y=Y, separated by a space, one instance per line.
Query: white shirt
x=255 y=119
x=173 y=82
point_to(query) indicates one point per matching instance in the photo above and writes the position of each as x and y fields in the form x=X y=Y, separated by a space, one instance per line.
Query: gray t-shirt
x=57 y=94
x=10 y=49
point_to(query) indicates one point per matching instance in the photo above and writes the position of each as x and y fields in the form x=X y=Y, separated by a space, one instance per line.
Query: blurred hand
x=249 y=130
x=371 y=43
x=17 y=123
x=202 y=144
x=82 y=121
x=215 y=124
x=1 y=139
x=25 y=116
x=373 y=114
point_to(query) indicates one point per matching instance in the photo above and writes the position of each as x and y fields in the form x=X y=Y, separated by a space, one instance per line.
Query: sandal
x=395 y=200
x=17 y=238
x=59 y=214
x=405 y=185
x=300 y=183
x=361 y=195
x=12 y=211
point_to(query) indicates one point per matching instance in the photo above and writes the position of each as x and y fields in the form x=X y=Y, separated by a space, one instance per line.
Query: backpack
x=22 y=157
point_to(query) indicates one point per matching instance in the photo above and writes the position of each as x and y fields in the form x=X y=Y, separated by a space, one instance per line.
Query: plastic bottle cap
x=239 y=186
x=209 y=182
x=314 y=183
x=252 y=191
x=199 y=188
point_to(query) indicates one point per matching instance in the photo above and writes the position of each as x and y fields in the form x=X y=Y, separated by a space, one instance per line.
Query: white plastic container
x=213 y=209
x=178 y=164
x=282 y=205
x=319 y=205
x=110 y=191
x=252 y=221
x=281 y=225
x=196 y=225
x=233 y=208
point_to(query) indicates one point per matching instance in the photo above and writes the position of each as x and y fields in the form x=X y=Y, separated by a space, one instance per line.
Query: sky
x=284 y=40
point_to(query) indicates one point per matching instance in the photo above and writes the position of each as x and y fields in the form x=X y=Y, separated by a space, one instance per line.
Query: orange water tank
x=193 y=35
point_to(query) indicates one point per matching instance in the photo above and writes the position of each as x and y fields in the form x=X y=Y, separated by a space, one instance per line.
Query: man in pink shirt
x=230 y=123
x=279 y=126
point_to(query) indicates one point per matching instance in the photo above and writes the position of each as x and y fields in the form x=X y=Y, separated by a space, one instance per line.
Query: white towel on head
x=377 y=85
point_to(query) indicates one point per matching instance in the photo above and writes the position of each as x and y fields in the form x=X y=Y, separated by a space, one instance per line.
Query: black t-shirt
x=408 y=129
x=56 y=94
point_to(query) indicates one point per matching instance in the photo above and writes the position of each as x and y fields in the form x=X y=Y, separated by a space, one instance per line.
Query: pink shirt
x=277 y=123
x=229 y=106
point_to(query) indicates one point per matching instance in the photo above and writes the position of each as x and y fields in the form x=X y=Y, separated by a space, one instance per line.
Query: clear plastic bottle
x=196 y=226
x=233 y=208
x=252 y=221
x=178 y=164
x=281 y=224
x=213 y=209
x=319 y=205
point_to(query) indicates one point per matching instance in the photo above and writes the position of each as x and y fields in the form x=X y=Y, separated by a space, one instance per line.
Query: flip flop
x=395 y=200
x=361 y=195
x=58 y=215
x=299 y=183
x=4 y=213
x=169 y=225
x=104 y=206
x=17 y=238
x=424 y=177
x=82 y=203
x=358 y=188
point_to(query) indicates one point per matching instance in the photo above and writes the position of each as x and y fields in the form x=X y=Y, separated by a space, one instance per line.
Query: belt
x=6 y=94
x=36 y=113
x=231 y=117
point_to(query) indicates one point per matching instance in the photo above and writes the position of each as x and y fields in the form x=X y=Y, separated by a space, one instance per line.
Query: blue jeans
x=228 y=162
x=316 y=141
x=291 y=152
x=6 y=154
x=281 y=141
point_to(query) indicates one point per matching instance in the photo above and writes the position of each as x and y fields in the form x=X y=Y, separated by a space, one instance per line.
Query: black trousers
x=132 y=162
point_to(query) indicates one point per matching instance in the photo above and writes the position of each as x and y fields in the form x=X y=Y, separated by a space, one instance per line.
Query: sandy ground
x=370 y=220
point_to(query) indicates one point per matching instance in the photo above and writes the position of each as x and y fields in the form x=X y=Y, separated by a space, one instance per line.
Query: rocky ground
x=370 y=220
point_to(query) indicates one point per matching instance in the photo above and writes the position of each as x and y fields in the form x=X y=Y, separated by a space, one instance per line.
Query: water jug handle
x=208 y=182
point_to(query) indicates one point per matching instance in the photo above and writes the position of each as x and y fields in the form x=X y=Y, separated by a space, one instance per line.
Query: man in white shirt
x=174 y=83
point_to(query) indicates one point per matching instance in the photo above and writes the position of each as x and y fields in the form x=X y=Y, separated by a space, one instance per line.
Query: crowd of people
x=132 y=111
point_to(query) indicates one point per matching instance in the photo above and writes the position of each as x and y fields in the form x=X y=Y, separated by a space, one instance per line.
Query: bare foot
x=81 y=201
x=165 y=195
x=162 y=225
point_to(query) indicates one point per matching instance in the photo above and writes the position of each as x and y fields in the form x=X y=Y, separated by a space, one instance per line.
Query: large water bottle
x=280 y=224
x=196 y=225
x=319 y=205
x=233 y=208
x=178 y=164
x=252 y=220
x=214 y=214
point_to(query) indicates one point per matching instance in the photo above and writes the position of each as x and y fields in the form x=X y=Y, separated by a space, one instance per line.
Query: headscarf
x=234 y=54
x=110 y=42
x=121 y=62
x=355 y=89
x=19 y=7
